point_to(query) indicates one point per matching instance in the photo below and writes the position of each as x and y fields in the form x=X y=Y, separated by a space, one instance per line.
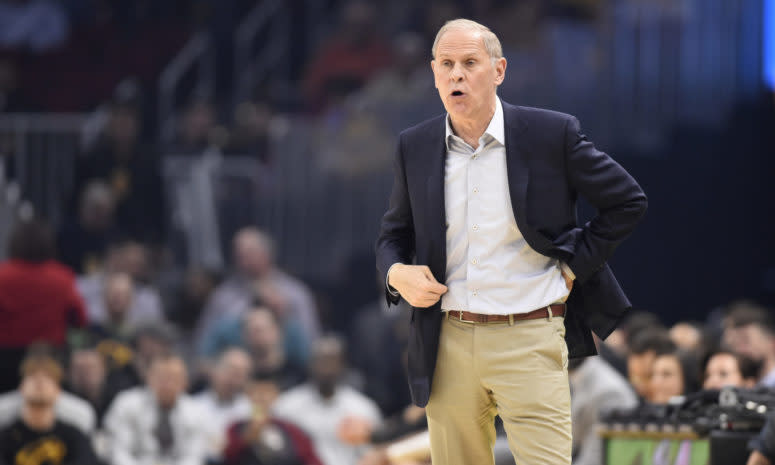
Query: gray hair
x=491 y=42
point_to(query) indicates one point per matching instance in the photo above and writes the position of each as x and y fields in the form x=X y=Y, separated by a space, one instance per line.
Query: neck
x=470 y=130
x=38 y=418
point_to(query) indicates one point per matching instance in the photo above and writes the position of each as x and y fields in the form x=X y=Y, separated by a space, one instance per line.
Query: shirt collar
x=494 y=129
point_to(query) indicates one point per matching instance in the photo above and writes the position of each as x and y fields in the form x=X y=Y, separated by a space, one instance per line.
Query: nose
x=457 y=73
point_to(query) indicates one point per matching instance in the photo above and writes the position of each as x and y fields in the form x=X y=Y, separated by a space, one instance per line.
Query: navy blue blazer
x=549 y=163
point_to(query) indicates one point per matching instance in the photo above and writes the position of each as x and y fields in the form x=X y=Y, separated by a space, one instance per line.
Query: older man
x=484 y=205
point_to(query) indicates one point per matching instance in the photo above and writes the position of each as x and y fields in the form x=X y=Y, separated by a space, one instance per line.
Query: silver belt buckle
x=460 y=317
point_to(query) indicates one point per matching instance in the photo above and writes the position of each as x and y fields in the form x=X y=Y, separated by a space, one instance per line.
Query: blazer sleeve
x=618 y=198
x=395 y=243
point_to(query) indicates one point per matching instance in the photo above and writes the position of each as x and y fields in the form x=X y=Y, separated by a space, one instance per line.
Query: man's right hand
x=416 y=284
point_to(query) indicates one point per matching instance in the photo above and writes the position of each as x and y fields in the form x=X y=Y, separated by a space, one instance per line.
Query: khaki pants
x=516 y=371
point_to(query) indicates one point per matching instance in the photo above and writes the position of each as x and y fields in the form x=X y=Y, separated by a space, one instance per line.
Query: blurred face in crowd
x=251 y=253
x=262 y=394
x=751 y=341
x=260 y=331
x=167 y=379
x=97 y=207
x=123 y=126
x=667 y=379
x=639 y=369
x=723 y=370
x=118 y=296
x=198 y=122
x=685 y=336
x=231 y=373
x=87 y=372
x=465 y=75
x=327 y=366
x=39 y=388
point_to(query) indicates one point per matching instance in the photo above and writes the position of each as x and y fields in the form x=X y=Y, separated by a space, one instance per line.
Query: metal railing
x=268 y=22
x=42 y=150
x=196 y=55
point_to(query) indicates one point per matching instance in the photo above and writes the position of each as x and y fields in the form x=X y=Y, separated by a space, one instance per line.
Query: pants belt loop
x=549 y=310
x=447 y=316
x=511 y=319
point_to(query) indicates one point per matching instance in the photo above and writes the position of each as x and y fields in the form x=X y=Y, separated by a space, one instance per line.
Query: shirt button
x=476 y=227
x=475 y=293
x=476 y=190
x=475 y=156
x=474 y=261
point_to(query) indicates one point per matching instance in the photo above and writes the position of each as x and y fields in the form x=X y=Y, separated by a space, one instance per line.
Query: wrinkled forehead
x=458 y=42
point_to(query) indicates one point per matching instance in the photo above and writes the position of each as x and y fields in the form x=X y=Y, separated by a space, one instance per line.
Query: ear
x=500 y=70
x=433 y=68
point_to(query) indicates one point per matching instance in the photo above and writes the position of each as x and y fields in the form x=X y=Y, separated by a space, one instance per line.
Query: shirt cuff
x=390 y=288
x=565 y=269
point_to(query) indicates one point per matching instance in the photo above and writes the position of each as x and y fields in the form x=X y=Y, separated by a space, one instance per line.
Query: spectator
x=256 y=275
x=128 y=258
x=87 y=378
x=687 y=336
x=38 y=298
x=250 y=134
x=35 y=25
x=671 y=375
x=131 y=170
x=334 y=415
x=130 y=366
x=118 y=297
x=616 y=348
x=69 y=408
x=196 y=128
x=189 y=301
x=38 y=436
x=749 y=330
x=272 y=350
x=596 y=389
x=725 y=368
x=225 y=401
x=157 y=423
x=645 y=347
x=352 y=56
x=83 y=242
x=265 y=439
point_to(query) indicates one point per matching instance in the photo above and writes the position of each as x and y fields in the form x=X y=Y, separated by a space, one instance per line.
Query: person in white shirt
x=327 y=410
x=225 y=401
x=157 y=424
x=482 y=238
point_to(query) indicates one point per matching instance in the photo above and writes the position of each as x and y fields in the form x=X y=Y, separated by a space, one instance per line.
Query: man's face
x=87 y=370
x=167 y=379
x=262 y=394
x=39 y=389
x=466 y=76
x=232 y=374
x=750 y=340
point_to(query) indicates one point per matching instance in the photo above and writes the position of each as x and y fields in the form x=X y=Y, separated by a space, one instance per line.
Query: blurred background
x=196 y=159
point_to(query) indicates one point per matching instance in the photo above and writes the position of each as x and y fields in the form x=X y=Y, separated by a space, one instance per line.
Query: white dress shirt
x=130 y=423
x=321 y=418
x=490 y=267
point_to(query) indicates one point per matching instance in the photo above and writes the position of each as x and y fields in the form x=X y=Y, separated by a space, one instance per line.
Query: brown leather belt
x=470 y=317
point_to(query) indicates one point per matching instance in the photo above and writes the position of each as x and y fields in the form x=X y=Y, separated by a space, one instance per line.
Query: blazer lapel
x=517 y=168
x=436 y=213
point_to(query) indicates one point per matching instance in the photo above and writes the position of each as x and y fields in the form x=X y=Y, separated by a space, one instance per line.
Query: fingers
x=433 y=286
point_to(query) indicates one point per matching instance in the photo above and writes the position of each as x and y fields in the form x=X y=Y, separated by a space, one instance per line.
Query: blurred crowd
x=107 y=357
x=238 y=369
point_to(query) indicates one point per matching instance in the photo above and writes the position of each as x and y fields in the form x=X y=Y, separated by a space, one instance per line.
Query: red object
x=38 y=301
x=236 y=444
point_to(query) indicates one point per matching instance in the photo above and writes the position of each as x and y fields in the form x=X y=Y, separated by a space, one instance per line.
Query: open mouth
x=457 y=93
